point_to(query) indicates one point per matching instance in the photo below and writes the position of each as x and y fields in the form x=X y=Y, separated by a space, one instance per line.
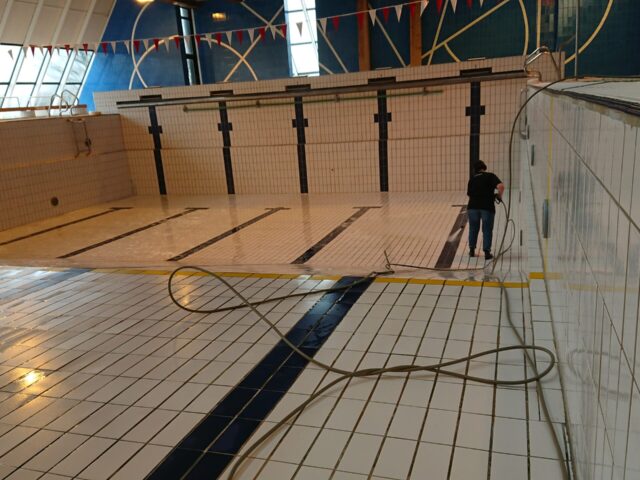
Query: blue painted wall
x=499 y=29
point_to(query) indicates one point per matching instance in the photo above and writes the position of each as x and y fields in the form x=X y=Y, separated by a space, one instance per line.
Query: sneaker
x=472 y=252
x=487 y=255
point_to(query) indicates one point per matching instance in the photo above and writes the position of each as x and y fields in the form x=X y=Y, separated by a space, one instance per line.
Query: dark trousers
x=487 y=228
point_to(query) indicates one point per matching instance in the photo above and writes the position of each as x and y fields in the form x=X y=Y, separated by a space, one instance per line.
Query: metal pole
x=575 y=62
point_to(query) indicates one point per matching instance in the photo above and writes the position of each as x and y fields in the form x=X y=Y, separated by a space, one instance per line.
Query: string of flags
x=326 y=24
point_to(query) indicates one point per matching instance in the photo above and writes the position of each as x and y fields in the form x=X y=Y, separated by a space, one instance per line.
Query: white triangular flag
x=113 y=46
x=252 y=34
x=372 y=14
x=229 y=36
x=167 y=43
x=10 y=52
x=399 y=11
x=323 y=24
x=208 y=38
x=25 y=50
x=126 y=45
x=145 y=42
x=454 y=4
x=273 y=31
x=299 y=25
x=423 y=6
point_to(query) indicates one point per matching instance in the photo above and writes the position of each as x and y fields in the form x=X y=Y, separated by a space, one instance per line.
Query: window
x=303 y=45
x=189 y=50
x=31 y=79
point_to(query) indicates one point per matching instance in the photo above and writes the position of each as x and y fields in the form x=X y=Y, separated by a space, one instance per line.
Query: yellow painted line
x=326 y=277
x=542 y=276
x=450 y=52
x=456 y=283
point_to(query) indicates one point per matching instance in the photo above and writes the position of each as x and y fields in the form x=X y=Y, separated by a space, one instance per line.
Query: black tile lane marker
x=474 y=112
x=51 y=229
x=331 y=236
x=226 y=128
x=210 y=447
x=382 y=118
x=448 y=253
x=155 y=130
x=300 y=123
x=222 y=236
x=131 y=232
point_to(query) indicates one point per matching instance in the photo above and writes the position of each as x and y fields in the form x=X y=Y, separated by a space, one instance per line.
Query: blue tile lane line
x=210 y=447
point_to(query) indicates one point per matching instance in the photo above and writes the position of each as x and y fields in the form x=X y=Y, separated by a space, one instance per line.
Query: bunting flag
x=25 y=50
x=323 y=24
x=361 y=17
x=398 y=11
x=372 y=14
x=385 y=14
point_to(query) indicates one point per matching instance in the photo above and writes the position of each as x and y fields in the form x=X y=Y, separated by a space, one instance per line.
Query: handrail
x=535 y=55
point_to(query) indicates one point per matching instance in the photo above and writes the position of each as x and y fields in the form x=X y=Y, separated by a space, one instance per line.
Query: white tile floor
x=412 y=227
x=102 y=377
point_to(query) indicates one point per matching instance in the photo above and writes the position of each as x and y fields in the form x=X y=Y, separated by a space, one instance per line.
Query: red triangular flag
x=198 y=39
x=239 y=35
x=33 y=49
x=336 y=22
x=361 y=19
x=219 y=38
x=136 y=45
x=156 y=42
x=385 y=14
x=67 y=47
x=85 y=46
x=283 y=29
x=104 y=47
x=469 y=3
x=176 y=39
x=412 y=9
x=439 y=5
x=263 y=32
x=49 y=48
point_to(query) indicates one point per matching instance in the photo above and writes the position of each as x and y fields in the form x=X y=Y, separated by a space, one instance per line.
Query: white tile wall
x=587 y=163
x=39 y=160
x=428 y=135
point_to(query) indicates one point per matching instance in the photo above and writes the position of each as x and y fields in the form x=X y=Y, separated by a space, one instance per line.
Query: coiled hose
x=437 y=368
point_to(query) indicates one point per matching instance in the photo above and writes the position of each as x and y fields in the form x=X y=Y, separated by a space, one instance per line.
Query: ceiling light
x=219 y=16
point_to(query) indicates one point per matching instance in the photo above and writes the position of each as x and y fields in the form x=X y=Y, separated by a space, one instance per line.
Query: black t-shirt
x=481 y=191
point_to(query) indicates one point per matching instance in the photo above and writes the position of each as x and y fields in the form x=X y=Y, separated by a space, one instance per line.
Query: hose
x=437 y=368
